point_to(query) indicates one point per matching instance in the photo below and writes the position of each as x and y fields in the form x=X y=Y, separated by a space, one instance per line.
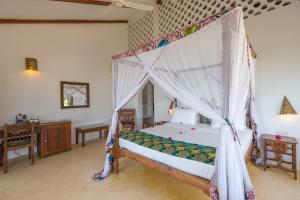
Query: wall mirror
x=74 y=95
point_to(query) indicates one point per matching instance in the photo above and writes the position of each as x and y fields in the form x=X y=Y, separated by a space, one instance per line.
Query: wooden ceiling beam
x=93 y=2
x=60 y=21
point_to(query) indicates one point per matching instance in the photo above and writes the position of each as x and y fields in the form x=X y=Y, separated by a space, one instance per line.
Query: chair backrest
x=127 y=116
x=18 y=134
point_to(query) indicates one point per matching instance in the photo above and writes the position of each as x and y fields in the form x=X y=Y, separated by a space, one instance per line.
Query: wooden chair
x=18 y=136
x=127 y=119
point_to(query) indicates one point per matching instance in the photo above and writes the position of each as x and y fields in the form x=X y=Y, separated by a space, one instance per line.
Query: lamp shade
x=287 y=108
x=31 y=64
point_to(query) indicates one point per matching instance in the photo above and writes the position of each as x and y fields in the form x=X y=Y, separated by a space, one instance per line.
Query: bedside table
x=285 y=146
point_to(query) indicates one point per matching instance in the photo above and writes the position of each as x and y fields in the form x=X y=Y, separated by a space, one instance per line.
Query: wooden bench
x=101 y=127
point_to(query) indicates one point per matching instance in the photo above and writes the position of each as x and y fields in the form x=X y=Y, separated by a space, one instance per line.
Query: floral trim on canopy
x=98 y=176
x=253 y=53
x=213 y=190
x=176 y=36
x=214 y=194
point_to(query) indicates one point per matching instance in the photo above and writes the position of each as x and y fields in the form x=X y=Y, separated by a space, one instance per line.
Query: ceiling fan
x=116 y=3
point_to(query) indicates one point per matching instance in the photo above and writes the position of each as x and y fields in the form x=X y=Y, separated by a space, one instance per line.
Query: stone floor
x=67 y=176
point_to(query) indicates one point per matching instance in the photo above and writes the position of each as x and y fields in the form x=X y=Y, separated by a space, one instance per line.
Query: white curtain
x=129 y=77
x=252 y=63
x=252 y=102
x=209 y=72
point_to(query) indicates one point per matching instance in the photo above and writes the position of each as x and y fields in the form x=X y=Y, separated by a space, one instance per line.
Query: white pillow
x=240 y=121
x=215 y=124
x=185 y=116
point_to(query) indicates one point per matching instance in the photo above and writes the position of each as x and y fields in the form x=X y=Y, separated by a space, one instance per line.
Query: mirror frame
x=62 y=83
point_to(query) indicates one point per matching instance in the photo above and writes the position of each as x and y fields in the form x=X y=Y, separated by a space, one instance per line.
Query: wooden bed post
x=115 y=150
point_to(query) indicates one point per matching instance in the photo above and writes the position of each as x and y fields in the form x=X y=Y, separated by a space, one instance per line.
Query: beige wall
x=275 y=37
x=65 y=53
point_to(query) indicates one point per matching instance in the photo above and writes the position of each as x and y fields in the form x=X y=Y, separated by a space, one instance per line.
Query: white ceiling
x=44 y=9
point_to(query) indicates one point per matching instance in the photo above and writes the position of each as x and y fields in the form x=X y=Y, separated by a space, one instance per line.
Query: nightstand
x=285 y=146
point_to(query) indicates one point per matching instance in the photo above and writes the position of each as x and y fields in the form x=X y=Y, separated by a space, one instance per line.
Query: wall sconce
x=170 y=110
x=172 y=105
x=31 y=64
x=287 y=108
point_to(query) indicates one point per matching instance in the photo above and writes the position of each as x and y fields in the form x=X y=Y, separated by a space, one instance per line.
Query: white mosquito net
x=208 y=71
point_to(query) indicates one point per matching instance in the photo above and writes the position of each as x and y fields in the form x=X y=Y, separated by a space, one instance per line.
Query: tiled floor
x=67 y=176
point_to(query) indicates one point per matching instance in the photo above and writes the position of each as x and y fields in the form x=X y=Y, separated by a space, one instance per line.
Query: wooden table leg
x=294 y=160
x=1 y=156
x=5 y=161
x=116 y=160
x=107 y=133
x=265 y=155
x=77 y=135
x=29 y=152
x=104 y=133
x=83 y=138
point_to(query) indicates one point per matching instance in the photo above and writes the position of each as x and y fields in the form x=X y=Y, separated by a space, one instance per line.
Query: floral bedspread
x=201 y=153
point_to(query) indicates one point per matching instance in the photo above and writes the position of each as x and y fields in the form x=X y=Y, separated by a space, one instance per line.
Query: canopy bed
x=187 y=151
x=209 y=70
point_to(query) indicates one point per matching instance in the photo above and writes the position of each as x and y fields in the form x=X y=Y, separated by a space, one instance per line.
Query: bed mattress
x=201 y=134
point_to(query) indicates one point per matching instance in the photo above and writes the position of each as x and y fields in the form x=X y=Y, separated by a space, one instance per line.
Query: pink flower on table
x=170 y=138
x=278 y=137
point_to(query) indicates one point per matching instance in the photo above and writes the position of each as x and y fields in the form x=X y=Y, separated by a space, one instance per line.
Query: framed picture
x=74 y=95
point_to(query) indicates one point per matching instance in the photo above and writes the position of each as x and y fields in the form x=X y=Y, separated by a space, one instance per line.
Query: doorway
x=148 y=105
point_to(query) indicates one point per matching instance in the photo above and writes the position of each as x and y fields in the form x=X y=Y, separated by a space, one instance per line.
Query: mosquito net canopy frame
x=208 y=71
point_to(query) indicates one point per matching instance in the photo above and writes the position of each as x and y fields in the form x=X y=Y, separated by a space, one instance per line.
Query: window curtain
x=129 y=77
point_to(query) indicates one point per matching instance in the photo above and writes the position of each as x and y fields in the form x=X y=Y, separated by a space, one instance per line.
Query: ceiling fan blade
x=138 y=6
x=93 y=2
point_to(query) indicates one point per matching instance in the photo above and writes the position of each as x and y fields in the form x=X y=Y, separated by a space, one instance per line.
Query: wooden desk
x=91 y=128
x=52 y=137
x=285 y=146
